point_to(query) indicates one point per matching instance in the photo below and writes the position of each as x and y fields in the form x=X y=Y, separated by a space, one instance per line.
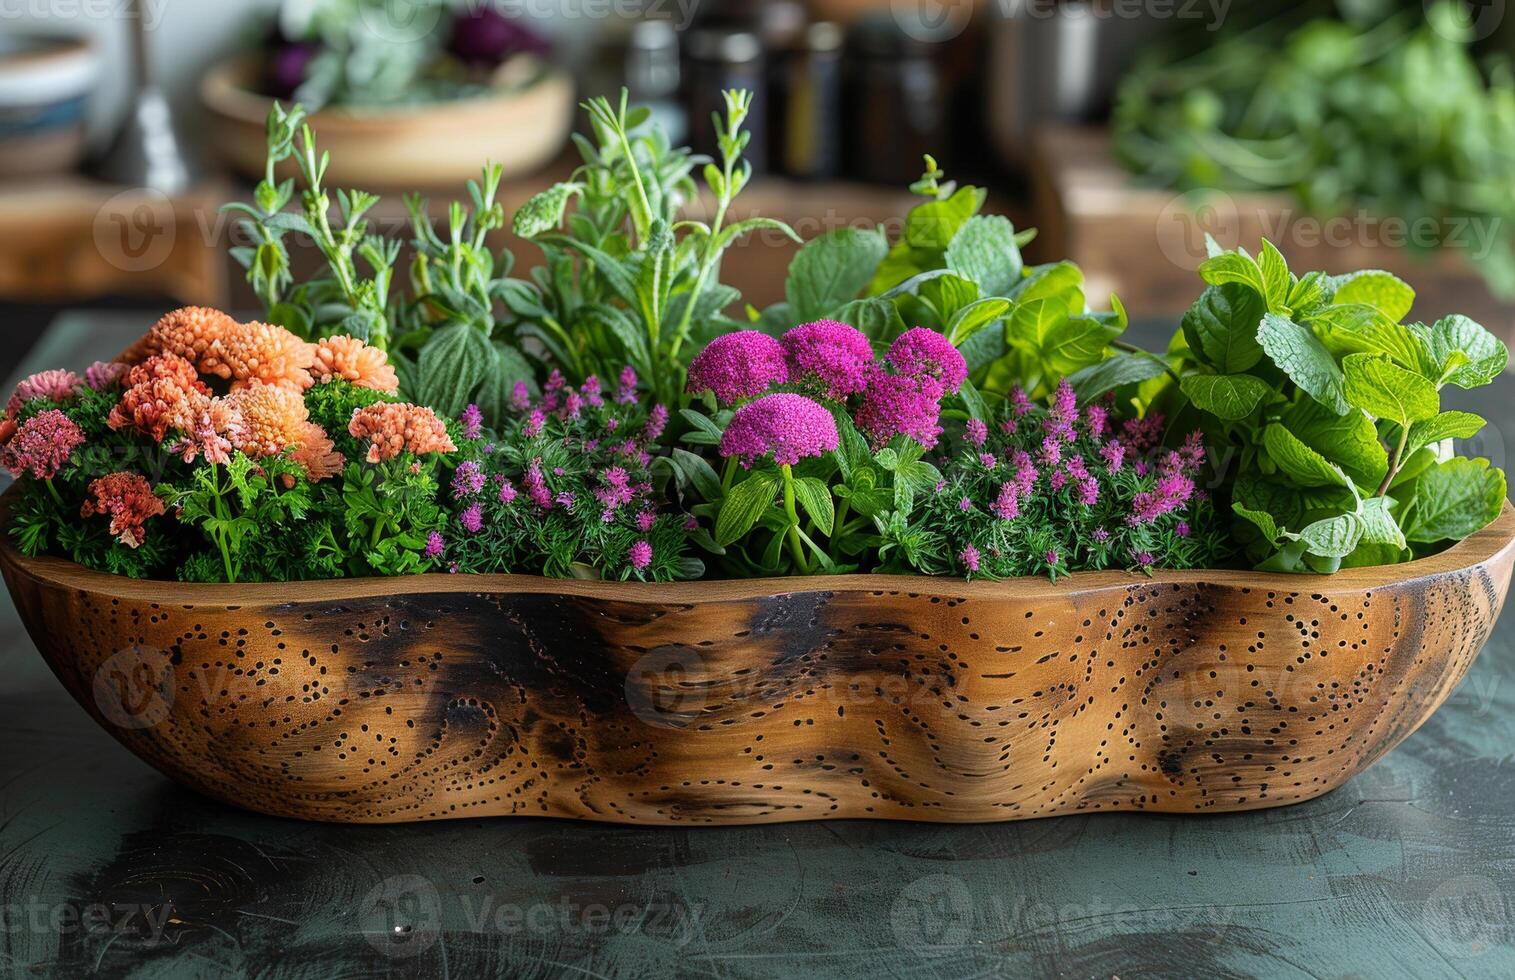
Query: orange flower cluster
x=187 y=333
x=392 y=429
x=259 y=353
x=129 y=501
x=354 y=361
x=163 y=393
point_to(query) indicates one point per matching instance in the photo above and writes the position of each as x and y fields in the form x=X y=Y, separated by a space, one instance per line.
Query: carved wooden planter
x=745 y=702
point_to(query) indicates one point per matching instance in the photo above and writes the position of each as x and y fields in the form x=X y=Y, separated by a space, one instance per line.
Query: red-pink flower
x=104 y=374
x=56 y=386
x=899 y=405
x=42 y=445
x=640 y=555
x=785 y=427
x=835 y=357
x=970 y=558
x=739 y=365
x=129 y=501
x=925 y=353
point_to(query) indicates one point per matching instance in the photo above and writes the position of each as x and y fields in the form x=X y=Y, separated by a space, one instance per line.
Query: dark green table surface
x=107 y=869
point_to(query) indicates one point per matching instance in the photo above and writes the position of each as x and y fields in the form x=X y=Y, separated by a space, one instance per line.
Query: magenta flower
x=626 y=394
x=1020 y=403
x=104 y=374
x=468 y=479
x=1171 y=492
x=787 y=428
x=536 y=485
x=1181 y=529
x=1051 y=557
x=57 y=386
x=919 y=352
x=507 y=492
x=435 y=545
x=1025 y=471
x=965 y=505
x=472 y=518
x=640 y=555
x=590 y=389
x=896 y=405
x=534 y=424
x=657 y=420
x=42 y=445
x=520 y=397
x=1097 y=418
x=837 y=357
x=737 y=366
x=969 y=558
x=472 y=421
x=1114 y=454
x=1143 y=434
x=976 y=432
x=1007 y=506
x=988 y=460
x=645 y=520
x=1101 y=535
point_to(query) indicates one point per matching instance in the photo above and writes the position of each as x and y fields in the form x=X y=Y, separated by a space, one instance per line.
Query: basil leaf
x=1222 y=328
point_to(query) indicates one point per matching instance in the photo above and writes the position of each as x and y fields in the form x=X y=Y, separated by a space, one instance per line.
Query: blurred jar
x=652 y=76
x=720 y=56
x=898 y=99
x=807 y=94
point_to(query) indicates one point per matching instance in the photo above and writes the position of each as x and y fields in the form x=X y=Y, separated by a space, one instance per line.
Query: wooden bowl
x=910 y=698
x=434 y=144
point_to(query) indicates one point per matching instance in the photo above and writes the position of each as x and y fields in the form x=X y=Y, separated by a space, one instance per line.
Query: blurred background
x=1352 y=133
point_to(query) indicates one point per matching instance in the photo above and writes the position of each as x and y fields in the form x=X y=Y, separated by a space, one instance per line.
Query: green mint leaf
x=1231 y=397
x=1383 y=291
x=1454 y=499
x=1362 y=329
x=1333 y=537
x=1447 y=425
x=985 y=251
x=1351 y=440
x=1120 y=368
x=1259 y=519
x=1378 y=524
x=1275 y=274
x=935 y=224
x=974 y=317
x=831 y=270
x=1298 y=461
x=1235 y=267
x=1062 y=282
x=1300 y=354
x=1386 y=391
x=1486 y=355
x=1222 y=328
x=700 y=473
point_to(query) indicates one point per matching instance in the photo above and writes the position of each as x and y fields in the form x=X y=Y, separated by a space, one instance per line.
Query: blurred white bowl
x=45 y=83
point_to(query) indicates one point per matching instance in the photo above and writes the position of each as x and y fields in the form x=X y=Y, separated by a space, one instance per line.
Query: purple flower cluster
x=783 y=427
x=829 y=358
x=738 y=366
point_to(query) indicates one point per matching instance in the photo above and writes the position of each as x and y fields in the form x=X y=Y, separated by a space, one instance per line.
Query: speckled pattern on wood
x=744 y=702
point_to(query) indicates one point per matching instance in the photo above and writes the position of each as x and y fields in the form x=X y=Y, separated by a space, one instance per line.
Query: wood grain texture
x=761 y=701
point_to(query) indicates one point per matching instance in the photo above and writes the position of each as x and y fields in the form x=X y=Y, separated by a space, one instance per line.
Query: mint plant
x=1331 y=407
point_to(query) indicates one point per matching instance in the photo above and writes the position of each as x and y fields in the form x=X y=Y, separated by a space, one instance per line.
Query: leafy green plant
x=627 y=282
x=1387 y=114
x=1331 y=407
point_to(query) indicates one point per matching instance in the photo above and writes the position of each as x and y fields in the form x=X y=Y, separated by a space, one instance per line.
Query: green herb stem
x=796 y=545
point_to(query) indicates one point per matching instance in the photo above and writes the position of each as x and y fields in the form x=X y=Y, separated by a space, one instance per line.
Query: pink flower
x=1101 y=535
x=468 y=479
x=836 y=357
x=896 y=405
x=786 y=427
x=435 y=544
x=1144 y=559
x=976 y=432
x=1025 y=471
x=626 y=394
x=520 y=397
x=969 y=558
x=42 y=445
x=657 y=420
x=104 y=374
x=1051 y=557
x=965 y=505
x=1192 y=452
x=533 y=426
x=691 y=523
x=1097 y=418
x=1143 y=434
x=640 y=555
x=1020 y=403
x=740 y=365
x=473 y=422
x=1007 y=505
x=1114 y=454
x=1181 y=529
x=57 y=386
x=988 y=460
x=536 y=485
x=1052 y=450
x=205 y=439
x=590 y=389
x=925 y=353
x=616 y=492
x=1171 y=492
x=645 y=520
x=507 y=492
x=472 y=518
